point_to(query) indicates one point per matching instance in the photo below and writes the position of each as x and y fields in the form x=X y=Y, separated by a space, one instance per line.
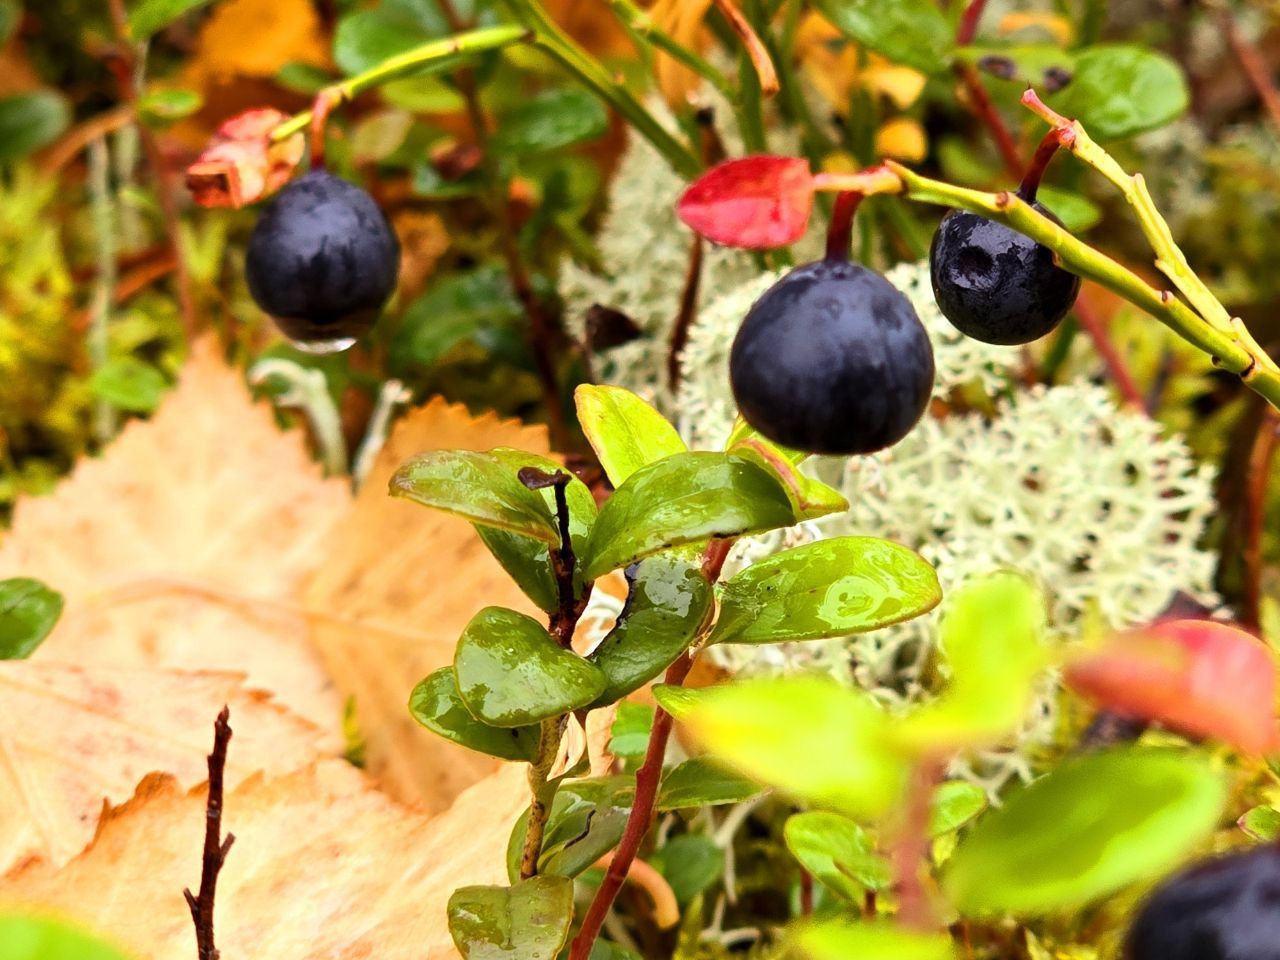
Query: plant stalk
x=542 y=792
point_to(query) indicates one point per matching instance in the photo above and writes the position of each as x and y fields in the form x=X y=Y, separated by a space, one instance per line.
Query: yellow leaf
x=682 y=19
x=902 y=139
x=832 y=64
x=255 y=38
x=1055 y=25
x=901 y=85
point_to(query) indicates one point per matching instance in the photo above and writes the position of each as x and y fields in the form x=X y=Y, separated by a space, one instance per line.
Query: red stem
x=1261 y=457
x=1117 y=369
x=1053 y=141
x=840 y=232
x=985 y=110
x=806 y=893
x=911 y=851
x=1254 y=66
x=968 y=27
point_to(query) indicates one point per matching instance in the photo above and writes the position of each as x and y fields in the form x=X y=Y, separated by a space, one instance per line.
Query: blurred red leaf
x=242 y=164
x=756 y=202
x=1199 y=677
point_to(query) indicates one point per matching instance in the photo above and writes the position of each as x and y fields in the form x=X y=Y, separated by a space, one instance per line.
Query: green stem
x=542 y=793
x=473 y=41
x=641 y=26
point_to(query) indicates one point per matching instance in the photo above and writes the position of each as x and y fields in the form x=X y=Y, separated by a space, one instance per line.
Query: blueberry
x=1225 y=909
x=832 y=359
x=322 y=259
x=996 y=285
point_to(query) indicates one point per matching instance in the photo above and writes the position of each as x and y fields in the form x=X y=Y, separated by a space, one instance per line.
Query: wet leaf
x=911 y=32
x=625 y=432
x=811 y=498
x=527 y=921
x=1091 y=826
x=831 y=588
x=28 y=612
x=551 y=120
x=587 y=820
x=700 y=782
x=685 y=498
x=436 y=704
x=757 y=202
x=843 y=940
x=1120 y=90
x=511 y=672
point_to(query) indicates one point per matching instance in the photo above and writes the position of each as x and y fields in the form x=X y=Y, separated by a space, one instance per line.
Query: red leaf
x=241 y=164
x=1199 y=677
x=755 y=202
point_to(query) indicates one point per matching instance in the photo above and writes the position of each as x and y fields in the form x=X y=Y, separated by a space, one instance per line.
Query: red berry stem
x=1053 y=141
x=327 y=100
x=840 y=232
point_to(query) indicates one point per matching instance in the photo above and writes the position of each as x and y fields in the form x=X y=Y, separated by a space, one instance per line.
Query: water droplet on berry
x=324 y=347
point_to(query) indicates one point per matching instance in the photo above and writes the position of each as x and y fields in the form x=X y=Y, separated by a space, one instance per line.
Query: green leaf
x=845 y=940
x=151 y=16
x=586 y=822
x=528 y=561
x=991 y=633
x=630 y=731
x=1077 y=212
x=436 y=704
x=1118 y=91
x=955 y=803
x=367 y=38
x=551 y=120
x=304 y=78
x=129 y=384
x=691 y=863
x=910 y=32
x=44 y=938
x=837 y=852
x=604 y=950
x=667 y=602
x=810 y=737
x=29 y=121
x=830 y=588
x=685 y=498
x=455 y=309
x=1030 y=61
x=702 y=783
x=1091 y=826
x=528 y=921
x=1261 y=823
x=482 y=487
x=28 y=611
x=159 y=108
x=625 y=432
x=512 y=673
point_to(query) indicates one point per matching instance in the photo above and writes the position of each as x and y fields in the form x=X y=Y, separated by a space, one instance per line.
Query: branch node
x=215 y=847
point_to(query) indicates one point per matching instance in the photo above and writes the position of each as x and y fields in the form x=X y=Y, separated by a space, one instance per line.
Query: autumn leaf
x=324 y=865
x=255 y=38
x=74 y=737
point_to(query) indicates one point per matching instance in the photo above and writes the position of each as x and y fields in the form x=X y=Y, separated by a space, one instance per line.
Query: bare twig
x=1117 y=369
x=1255 y=68
x=215 y=846
x=1261 y=458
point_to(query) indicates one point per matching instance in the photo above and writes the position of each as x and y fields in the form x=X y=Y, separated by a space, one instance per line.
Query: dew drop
x=323 y=347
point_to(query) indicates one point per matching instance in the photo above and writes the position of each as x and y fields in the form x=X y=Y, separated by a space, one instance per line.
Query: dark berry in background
x=832 y=359
x=322 y=259
x=996 y=285
x=1225 y=909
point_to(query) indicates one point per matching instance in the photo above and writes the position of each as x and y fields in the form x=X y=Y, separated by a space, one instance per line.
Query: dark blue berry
x=1225 y=909
x=996 y=285
x=322 y=259
x=832 y=359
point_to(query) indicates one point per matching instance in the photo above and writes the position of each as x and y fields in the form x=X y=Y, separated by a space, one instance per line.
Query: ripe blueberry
x=832 y=359
x=322 y=259
x=1225 y=909
x=996 y=285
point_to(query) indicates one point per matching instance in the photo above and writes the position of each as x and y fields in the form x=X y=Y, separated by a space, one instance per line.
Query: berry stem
x=840 y=230
x=327 y=100
x=1054 y=140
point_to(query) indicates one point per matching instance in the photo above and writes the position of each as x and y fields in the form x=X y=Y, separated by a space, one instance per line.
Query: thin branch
x=1261 y=458
x=215 y=846
x=1255 y=68
x=1096 y=329
x=968 y=27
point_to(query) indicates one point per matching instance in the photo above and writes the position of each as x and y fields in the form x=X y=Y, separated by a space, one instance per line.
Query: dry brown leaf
x=184 y=546
x=402 y=583
x=72 y=738
x=323 y=866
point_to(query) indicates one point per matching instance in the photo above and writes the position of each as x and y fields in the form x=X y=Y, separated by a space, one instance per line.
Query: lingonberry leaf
x=512 y=673
x=811 y=498
x=551 y=120
x=837 y=852
x=667 y=601
x=44 y=938
x=758 y=202
x=1091 y=826
x=831 y=588
x=527 y=921
x=914 y=33
x=685 y=498
x=690 y=863
x=1119 y=90
x=744 y=434
x=702 y=782
x=1199 y=677
x=1261 y=823
x=629 y=735
x=625 y=432
x=436 y=704
x=28 y=611
x=843 y=939
x=587 y=820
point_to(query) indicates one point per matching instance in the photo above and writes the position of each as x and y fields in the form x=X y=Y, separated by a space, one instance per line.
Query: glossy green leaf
x=551 y=120
x=830 y=588
x=1118 y=91
x=629 y=735
x=24 y=937
x=910 y=32
x=818 y=741
x=1091 y=826
x=846 y=940
x=29 y=121
x=161 y=107
x=587 y=820
x=365 y=38
x=677 y=701
x=625 y=432
x=528 y=561
x=702 y=783
x=1261 y=823
x=436 y=704
x=691 y=864
x=482 y=487
x=512 y=673
x=955 y=803
x=527 y=921
x=809 y=497
x=685 y=498
x=129 y=384
x=28 y=611
x=991 y=633
x=151 y=16
x=667 y=602
x=837 y=852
